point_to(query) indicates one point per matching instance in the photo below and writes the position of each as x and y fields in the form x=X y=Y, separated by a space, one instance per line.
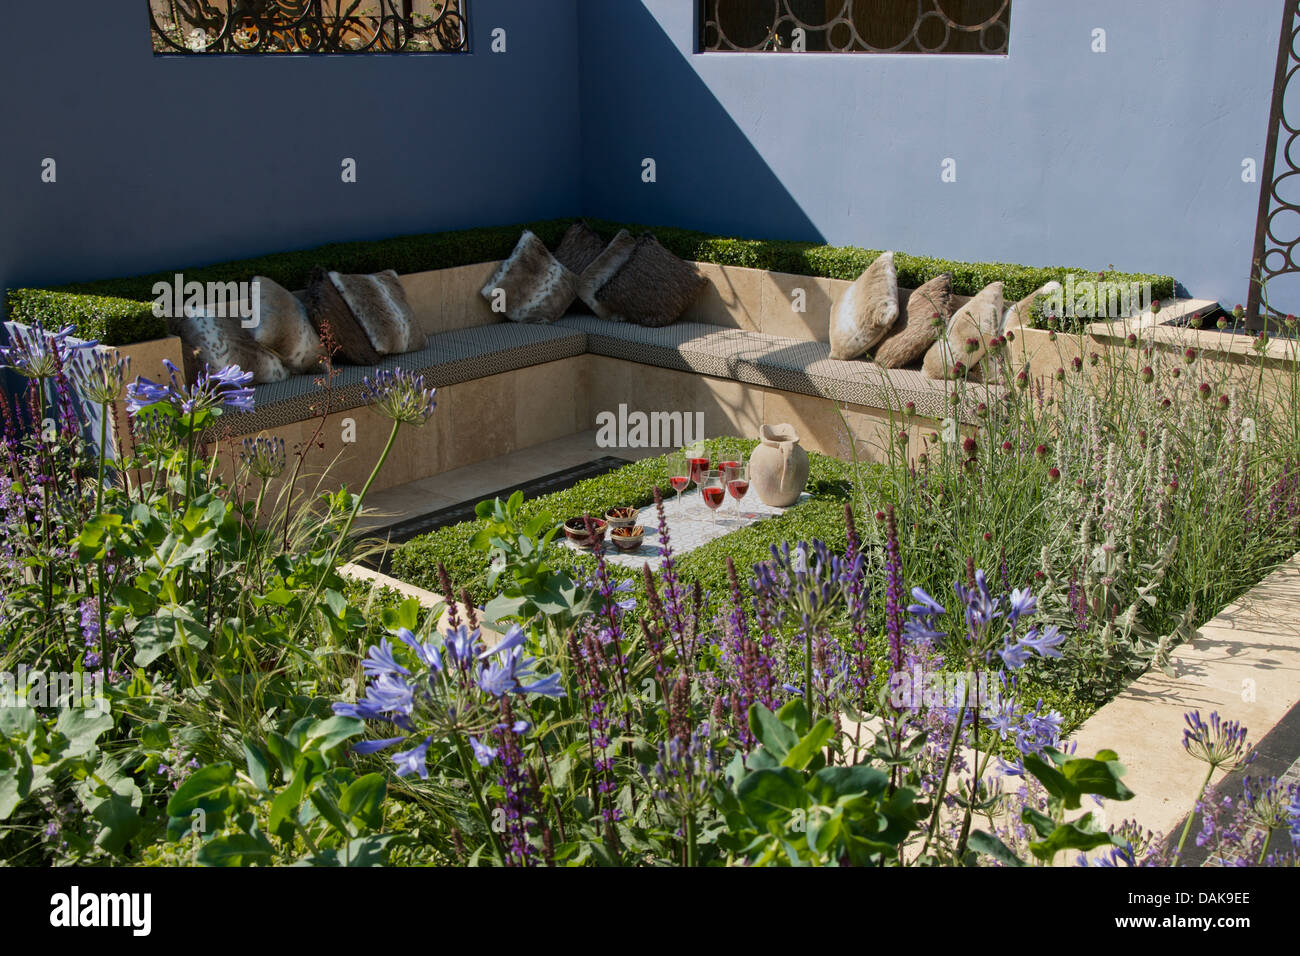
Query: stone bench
x=741 y=356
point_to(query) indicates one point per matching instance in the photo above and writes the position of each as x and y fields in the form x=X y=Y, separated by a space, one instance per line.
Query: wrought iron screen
x=855 y=26
x=1277 y=226
x=308 y=26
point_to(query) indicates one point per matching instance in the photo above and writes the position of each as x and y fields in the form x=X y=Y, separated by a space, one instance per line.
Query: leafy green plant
x=785 y=806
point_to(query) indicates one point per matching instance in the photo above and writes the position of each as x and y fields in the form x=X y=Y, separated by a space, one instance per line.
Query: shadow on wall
x=726 y=186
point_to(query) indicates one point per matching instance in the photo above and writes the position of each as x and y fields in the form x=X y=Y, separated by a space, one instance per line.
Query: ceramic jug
x=778 y=467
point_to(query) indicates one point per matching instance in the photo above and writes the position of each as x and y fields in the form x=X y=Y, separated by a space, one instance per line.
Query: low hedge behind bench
x=117 y=311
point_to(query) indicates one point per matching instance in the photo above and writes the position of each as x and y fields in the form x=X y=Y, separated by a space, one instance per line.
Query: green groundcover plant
x=190 y=679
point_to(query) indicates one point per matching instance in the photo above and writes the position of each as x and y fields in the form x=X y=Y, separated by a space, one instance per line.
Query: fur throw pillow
x=866 y=311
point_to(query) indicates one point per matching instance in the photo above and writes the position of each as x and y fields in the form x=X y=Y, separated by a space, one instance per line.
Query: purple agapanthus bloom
x=1220 y=743
x=400 y=396
x=36 y=353
x=455 y=691
x=228 y=388
x=413 y=761
x=482 y=752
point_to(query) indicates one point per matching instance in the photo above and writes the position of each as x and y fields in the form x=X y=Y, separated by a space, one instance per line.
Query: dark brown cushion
x=335 y=323
x=532 y=284
x=919 y=329
x=579 y=247
x=601 y=269
x=653 y=287
x=282 y=326
x=378 y=303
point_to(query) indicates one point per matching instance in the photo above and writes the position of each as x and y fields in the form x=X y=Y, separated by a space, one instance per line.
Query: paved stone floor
x=690 y=524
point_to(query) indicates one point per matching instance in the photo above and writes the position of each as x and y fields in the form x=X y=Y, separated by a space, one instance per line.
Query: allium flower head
x=400 y=396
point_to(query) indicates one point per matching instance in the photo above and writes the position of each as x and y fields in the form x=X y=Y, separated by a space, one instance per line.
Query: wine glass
x=713 y=491
x=738 y=482
x=679 y=473
x=699 y=463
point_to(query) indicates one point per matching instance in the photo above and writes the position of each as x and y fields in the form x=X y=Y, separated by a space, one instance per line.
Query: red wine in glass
x=738 y=482
x=714 y=492
x=698 y=467
x=679 y=473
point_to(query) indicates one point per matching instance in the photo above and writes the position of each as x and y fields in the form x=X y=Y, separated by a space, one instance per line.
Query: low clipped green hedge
x=114 y=309
x=416 y=561
x=110 y=320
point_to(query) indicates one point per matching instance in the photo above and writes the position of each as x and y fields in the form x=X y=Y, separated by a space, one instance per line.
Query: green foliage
x=108 y=319
x=785 y=807
x=416 y=561
x=444 y=250
x=298 y=801
x=1067 y=780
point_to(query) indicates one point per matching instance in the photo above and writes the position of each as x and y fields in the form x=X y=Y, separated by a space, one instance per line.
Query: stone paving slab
x=690 y=524
x=1244 y=663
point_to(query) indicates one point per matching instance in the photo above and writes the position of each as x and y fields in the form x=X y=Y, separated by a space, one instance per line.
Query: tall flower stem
x=943 y=778
x=1187 y=827
x=346 y=530
x=467 y=767
x=99 y=509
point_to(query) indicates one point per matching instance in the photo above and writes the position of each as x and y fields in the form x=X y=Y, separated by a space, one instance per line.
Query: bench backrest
x=447 y=299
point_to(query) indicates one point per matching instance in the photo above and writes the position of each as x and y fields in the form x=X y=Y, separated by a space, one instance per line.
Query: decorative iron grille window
x=309 y=26
x=855 y=26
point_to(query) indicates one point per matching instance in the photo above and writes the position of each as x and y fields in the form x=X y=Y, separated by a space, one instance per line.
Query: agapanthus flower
x=101 y=375
x=264 y=456
x=1220 y=743
x=227 y=388
x=36 y=353
x=449 y=692
x=400 y=396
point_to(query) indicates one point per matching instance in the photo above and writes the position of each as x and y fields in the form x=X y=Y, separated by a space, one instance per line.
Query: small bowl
x=575 y=529
x=622 y=517
x=627 y=539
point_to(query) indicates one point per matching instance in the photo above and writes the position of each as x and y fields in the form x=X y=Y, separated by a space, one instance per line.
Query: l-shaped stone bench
x=742 y=355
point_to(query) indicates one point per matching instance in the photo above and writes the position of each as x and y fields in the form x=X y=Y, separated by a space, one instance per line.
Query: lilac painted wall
x=1064 y=156
x=167 y=162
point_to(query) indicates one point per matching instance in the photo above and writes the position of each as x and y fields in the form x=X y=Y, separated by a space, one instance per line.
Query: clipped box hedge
x=108 y=319
x=118 y=310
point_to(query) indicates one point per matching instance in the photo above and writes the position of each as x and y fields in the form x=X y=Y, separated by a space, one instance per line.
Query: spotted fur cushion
x=652 y=287
x=928 y=310
x=866 y=311
x=327 y=310
x=968 y=334
x=601 y=270
x=282 y=326
x=217 y=342
x=579 y=247
x=532 y=284
x=379 y=304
